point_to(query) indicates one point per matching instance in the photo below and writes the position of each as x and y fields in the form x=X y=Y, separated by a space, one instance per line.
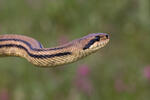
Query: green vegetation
x=120 y=71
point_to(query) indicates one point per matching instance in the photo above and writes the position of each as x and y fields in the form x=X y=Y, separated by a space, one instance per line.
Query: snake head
x=95 y=41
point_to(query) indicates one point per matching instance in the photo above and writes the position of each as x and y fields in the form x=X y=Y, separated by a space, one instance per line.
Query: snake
x=32 y=50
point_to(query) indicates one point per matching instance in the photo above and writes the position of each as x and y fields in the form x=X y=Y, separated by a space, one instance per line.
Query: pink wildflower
x=83 y=70
x=4 y=94
x=147 y=72
x=82 y=81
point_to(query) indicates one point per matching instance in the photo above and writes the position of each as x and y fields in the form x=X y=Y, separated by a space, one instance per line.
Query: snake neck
x=35 y=53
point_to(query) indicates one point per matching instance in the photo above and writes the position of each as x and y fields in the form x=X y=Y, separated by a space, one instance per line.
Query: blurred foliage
x=116 y=71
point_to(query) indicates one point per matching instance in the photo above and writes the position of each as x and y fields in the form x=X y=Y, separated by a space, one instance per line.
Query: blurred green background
x=120 y=71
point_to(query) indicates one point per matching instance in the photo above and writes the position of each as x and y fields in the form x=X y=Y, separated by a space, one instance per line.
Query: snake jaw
x=99 y=45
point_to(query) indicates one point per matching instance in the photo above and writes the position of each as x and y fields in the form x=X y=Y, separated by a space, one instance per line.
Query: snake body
x=34 y=52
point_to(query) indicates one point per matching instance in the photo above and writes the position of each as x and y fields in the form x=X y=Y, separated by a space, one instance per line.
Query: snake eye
x=97 y=38
x=107 y=36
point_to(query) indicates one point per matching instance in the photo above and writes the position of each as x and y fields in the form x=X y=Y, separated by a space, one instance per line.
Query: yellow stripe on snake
x=33 y=51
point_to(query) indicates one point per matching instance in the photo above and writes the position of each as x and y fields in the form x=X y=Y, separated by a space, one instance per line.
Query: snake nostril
x=107 y=36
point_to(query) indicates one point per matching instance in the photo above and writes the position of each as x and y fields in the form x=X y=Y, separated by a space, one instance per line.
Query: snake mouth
x=100 y=44
x=103 y=43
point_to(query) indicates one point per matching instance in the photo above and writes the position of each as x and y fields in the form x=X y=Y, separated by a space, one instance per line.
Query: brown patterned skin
x=33 y=51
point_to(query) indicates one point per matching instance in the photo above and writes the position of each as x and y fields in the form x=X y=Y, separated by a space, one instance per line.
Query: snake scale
x=34 y=52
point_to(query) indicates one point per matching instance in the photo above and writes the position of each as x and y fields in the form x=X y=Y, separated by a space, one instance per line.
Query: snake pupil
x=107 y=36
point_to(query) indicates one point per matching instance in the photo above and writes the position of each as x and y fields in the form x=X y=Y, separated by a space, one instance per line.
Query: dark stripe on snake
x=36 y=56
x=91 y=42
x=28 y=44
